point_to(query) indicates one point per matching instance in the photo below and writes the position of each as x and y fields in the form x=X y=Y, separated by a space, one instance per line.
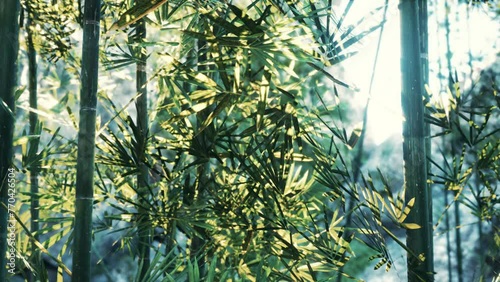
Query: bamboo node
x=92 y=22
x=87 y=109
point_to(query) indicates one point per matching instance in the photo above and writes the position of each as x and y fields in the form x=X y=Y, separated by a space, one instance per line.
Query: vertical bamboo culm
x=424 y=59
x=144 y=226
x=86 y=143
x=34 y=131
x=419 y=241
x=9 y=47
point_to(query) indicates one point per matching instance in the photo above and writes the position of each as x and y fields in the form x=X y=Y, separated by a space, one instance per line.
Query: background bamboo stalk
x=197 y=242
x=145 y=231
x=445 y=204
x=33 y=131
x=86 y=142
x=458 y=241
x=424 y=60
x=455 y=144
x=9 y=46
x=33 y=118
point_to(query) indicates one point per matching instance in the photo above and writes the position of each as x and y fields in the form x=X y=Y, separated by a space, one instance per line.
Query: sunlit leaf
x=137 y=12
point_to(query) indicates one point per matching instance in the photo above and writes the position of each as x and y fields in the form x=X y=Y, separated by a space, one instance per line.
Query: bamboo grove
x=215 y=141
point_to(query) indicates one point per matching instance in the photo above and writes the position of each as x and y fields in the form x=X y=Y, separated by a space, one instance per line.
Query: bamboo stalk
x=197 y=243
x=9 y=46
x=458 y=242
x=455 y=144
x=419 y=241
x=86 y=142
x=447 y=226
x=424 y=60
x=33 y=131
x=445 y=189
x=33 y=120
x=141 y=104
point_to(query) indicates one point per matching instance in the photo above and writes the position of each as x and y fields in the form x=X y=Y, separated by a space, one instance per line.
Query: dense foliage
x=247 y=152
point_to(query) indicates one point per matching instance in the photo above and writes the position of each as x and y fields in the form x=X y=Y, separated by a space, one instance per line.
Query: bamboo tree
x=470 y=58
x=9 y=46
x=458 y=239
x=33 y=131
x=33 y=119
x=141 y=106
x=477 y=184
x=9 y=31
x=86 y=142
x=424 y=60
x=456 y=147
x=455 y=144
x=195 y=193
x=419 y=241
x=446 y=216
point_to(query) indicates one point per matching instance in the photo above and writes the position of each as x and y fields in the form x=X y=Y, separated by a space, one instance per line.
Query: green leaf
x=411 y=226
x=137 y=12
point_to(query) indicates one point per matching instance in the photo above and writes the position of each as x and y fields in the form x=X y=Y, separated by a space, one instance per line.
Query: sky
x=385 y=117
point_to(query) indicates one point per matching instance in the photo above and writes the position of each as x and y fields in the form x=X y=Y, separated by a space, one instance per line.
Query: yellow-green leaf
x=410 y=225
x=137 y=12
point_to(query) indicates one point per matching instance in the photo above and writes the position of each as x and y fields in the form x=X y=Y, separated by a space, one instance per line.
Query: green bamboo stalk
x=458 y=242
x=445 y=190
x=447 y=226
x=419 y=241
x=33 y=120
x=34 y=142
x=9 y=46
x=141 y=104
x=455 y=146
x=197 y=242
x=469 y=53
x=86 y=142
x=449 y=53
x=424 y=60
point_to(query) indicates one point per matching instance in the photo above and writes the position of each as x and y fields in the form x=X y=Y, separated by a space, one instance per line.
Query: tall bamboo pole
x=9 y=47
x=445 y=190
x=419 y=241
x=33 y=122
x=455 y=143
x=197 y=242
x=145 y=231
x=86 y=142
x=477 y=184
x=424 y=60
x=33 y=118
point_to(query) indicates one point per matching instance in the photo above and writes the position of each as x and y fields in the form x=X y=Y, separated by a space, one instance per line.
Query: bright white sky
x=385 y=118
x=385 y=107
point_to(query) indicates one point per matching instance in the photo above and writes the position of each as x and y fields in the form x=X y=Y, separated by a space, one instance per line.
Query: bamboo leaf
x=137 y=12
x=332 y=78
x=411 y=226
